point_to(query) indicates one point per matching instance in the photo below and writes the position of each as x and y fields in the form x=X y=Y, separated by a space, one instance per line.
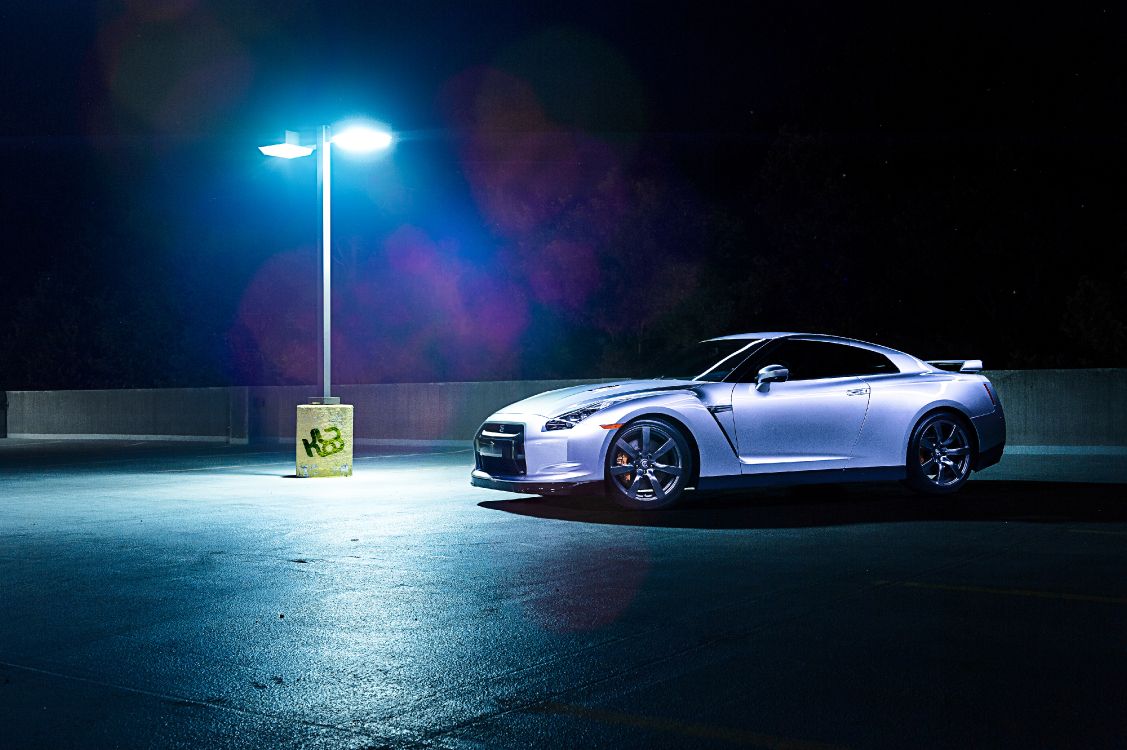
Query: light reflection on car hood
x=554 y=403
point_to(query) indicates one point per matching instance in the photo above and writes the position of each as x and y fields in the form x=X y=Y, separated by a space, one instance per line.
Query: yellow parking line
x=1061 y=595
x=686 y=729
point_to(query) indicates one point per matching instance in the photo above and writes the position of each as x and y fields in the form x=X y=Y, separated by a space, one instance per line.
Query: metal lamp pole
x=327 y=452
x=325 y=187
x=359 y=138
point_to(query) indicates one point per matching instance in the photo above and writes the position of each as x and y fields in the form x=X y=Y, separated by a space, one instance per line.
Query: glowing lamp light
x=362 y=139
x=291 y=149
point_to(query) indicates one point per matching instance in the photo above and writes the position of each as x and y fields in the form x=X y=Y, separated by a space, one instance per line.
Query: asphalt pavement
x=186 y=596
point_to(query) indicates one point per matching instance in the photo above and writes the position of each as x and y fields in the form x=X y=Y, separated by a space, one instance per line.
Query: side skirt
x=788 y=478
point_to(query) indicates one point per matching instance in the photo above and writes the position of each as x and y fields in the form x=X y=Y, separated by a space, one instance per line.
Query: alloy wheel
x=944 y=453
x=648 y=463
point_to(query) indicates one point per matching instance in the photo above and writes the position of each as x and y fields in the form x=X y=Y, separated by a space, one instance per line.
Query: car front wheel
x=648 y=464
x=939 y=455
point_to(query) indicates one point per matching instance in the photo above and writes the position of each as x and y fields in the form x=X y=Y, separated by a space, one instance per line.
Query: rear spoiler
x=957 y=365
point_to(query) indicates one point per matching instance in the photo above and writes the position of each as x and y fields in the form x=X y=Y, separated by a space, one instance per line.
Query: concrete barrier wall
x=1063 y=407
x=1043 y=407
x=202 y=414
x=399 y=411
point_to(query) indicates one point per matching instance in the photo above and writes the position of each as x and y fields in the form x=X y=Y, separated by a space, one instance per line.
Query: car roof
x=905 y=362
x=757 y=335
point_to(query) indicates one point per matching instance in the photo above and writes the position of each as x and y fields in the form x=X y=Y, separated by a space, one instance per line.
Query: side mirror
x=770 y=374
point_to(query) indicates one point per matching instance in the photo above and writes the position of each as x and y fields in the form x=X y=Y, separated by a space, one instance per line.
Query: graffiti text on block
x=322 y=446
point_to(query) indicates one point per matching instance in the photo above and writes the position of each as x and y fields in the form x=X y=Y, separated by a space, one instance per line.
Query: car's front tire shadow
x=839 y=505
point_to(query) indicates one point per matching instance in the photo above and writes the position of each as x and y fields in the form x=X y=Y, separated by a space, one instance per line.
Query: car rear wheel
x=939 y=455
x=648 y=464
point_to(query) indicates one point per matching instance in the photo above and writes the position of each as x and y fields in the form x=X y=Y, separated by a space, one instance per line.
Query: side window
x=813 y=360
x=872 y=363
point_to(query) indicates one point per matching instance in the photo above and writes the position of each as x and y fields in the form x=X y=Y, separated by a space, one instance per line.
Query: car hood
x=554 y=403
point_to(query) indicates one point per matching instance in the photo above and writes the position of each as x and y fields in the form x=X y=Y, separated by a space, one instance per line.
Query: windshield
x=709 y=360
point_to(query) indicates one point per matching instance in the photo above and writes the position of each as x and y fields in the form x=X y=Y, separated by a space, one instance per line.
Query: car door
x=809 y=422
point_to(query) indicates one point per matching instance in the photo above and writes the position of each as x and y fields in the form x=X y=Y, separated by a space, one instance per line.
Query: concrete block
x=324 y=440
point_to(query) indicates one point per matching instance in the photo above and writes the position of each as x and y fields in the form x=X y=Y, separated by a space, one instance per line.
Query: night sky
x=577 y=190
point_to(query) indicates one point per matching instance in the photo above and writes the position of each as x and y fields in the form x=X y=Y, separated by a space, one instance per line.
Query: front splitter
x=536 y=488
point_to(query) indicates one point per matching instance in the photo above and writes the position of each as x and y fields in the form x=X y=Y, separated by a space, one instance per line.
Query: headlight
x=567 y=420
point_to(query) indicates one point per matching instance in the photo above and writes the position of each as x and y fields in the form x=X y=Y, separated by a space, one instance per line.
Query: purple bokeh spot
x=275 y=335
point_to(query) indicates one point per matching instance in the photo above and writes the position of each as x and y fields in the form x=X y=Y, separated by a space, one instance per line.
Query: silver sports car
x=751 y=410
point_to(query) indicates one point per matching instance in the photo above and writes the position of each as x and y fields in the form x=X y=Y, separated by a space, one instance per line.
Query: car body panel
x=817 y=430
x=552 y=403
x=774 y=424
x=898 y=402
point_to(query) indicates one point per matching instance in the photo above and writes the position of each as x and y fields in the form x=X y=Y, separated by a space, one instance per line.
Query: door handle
x=857 y=392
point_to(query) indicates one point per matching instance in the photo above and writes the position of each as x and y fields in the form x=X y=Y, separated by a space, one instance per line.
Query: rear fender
x=935 y=408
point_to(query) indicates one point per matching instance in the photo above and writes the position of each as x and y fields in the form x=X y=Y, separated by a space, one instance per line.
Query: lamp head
x=291 y=149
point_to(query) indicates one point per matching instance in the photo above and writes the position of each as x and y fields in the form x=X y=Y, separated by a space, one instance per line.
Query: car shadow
x=840 y=505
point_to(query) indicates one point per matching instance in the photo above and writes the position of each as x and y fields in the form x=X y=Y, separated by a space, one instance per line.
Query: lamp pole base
x=324 y=439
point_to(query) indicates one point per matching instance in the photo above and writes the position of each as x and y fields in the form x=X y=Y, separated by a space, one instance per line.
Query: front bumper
x=513 y=453
x=481 y=479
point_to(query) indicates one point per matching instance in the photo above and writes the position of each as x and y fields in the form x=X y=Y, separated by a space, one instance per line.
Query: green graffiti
x=322 y=446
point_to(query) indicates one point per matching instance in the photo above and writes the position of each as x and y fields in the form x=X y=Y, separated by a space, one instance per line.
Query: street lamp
x=358 y=138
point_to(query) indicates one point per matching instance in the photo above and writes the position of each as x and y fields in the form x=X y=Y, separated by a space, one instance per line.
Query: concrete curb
x=157 y=438
x=1066 y=450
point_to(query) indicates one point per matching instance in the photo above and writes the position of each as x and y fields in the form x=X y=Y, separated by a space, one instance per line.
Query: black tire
x=648 y=464
x=940 y=455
